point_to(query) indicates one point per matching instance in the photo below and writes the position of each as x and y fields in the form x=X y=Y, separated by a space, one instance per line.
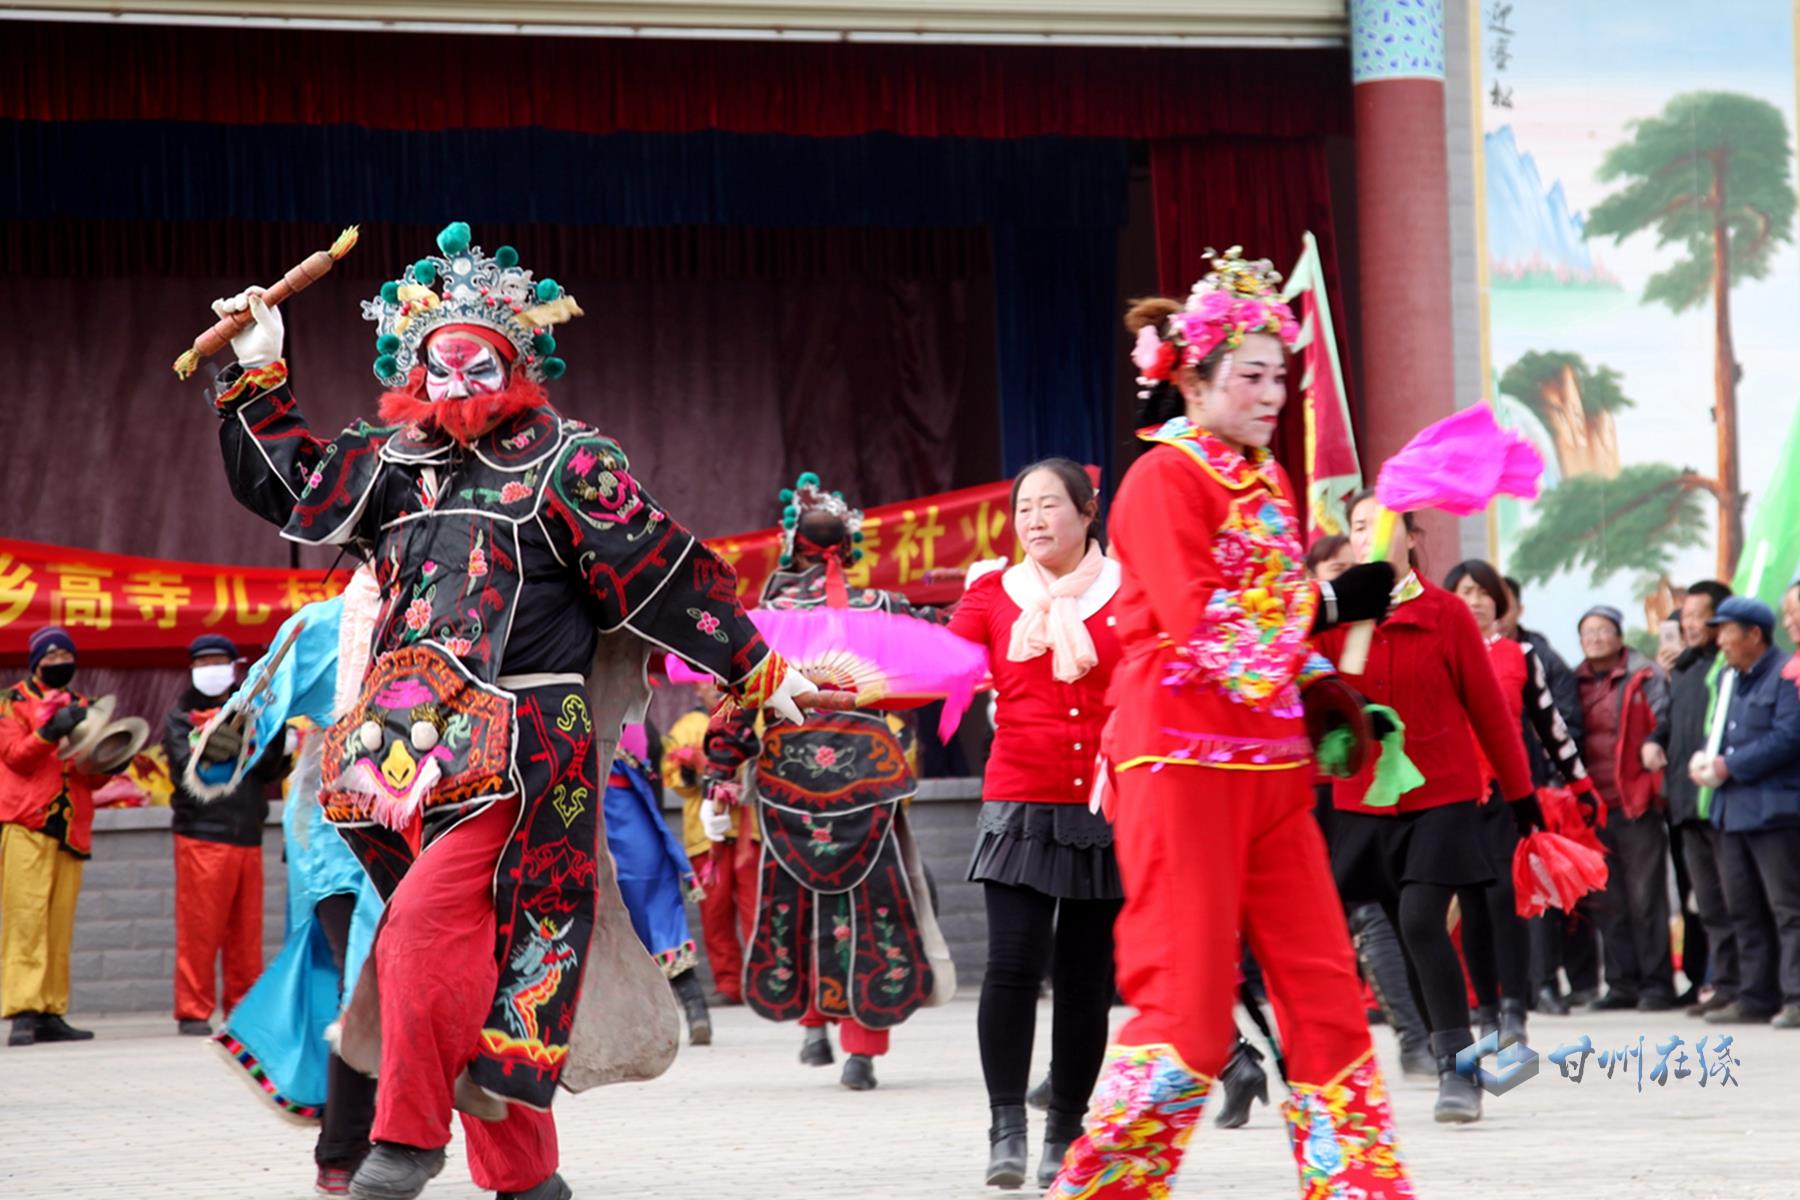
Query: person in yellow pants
x=46 y=832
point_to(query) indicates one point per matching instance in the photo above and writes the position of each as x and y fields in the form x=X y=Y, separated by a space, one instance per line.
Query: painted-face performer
x=843 y=930
x=513 y=549
x=1209 y=752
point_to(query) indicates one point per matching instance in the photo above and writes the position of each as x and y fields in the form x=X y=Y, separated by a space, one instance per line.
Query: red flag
x=1332 y=470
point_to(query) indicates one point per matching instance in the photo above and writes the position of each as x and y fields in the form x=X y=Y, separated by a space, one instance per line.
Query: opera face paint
x=458 y=366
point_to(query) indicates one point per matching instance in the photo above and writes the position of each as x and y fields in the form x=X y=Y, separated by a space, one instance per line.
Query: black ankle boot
x=1459 y=1098
x=693 y=1005
x=815 y=1049
x=1512 y=1021
x=1006 y=1146
x=395 y=1172
x=1244 y=1081
x=24 y=1029
x=1060 y=1131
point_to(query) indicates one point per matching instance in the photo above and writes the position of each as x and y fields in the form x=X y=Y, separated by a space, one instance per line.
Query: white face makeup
x=1242 y=403
x=458 y=366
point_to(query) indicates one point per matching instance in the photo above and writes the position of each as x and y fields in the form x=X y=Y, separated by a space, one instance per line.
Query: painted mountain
x=1531 y=234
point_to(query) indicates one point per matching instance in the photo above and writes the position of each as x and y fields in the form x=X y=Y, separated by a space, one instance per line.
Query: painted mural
x=1643 y=295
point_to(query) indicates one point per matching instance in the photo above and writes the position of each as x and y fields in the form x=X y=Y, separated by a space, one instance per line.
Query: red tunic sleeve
x=1495 y=724
x=971 y=618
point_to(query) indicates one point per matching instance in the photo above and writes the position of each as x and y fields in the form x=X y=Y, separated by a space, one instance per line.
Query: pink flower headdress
x=1236 y=298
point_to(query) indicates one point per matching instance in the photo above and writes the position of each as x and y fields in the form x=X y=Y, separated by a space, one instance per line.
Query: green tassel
x=808 y=479
x=544 y=344
x=390 y=292
x=788 y=521
x=425 y=272
x=1395 y=774
x=548 y=290
x=455 y=238
x=387 y=343
x=856 y=556
x=506 y=256
x=1333 y=752
x=553 y=368
x=787 y=494
x=857 y=536
x=386 y=367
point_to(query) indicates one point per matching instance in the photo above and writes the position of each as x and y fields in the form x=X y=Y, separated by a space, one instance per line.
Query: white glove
x=793 y=685
x=259 y=343
x=716 y=824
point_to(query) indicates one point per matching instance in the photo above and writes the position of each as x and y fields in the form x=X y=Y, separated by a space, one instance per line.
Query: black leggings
x=1418 y=913
x=1496 y=942
x=1023 y=927
x=349 y=1094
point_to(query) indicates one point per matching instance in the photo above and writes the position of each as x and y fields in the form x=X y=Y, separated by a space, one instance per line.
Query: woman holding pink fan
x=1045 y=862
x=1208 y=754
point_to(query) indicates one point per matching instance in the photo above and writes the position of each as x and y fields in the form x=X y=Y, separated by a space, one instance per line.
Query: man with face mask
x=524 y=572
x=218 y=851
x=46 y=826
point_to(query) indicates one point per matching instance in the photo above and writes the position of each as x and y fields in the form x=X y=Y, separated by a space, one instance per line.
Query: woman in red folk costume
x=514 y=551
x=1413 y=853
x=1210 y=760
x=1496 y=941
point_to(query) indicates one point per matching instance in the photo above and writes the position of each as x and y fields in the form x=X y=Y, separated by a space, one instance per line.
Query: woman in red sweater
x=1210 y=760
x=1044 y=861
x=1496 y=941
x=1429 y=663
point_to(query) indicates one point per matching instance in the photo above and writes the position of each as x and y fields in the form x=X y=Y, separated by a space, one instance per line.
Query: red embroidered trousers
x=1208 y=855
x=435 y=964
x=218 y=915
x=728 y=908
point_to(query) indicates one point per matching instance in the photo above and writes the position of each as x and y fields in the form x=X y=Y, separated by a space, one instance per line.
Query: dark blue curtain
x=1054 y=206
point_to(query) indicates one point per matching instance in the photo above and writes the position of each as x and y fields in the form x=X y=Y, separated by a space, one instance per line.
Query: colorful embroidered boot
x=1343 y=1137
x=1144 y=1111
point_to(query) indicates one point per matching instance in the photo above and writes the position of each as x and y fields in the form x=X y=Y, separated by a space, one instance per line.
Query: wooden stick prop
x=311 y=269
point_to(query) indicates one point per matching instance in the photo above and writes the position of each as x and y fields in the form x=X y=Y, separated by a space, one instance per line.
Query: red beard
x=465 y=419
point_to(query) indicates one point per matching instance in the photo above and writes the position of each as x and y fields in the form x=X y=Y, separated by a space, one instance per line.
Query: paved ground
x=142 y=1113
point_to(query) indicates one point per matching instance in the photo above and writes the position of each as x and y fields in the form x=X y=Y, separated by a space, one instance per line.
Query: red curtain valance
x=82 y=72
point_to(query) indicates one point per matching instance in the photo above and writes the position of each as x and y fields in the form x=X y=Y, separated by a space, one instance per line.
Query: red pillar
x=1403 y=234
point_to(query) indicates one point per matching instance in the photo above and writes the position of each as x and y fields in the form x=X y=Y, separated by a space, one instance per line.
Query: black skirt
x=1499 y=835
x=1371 y=856
x=1061 y=850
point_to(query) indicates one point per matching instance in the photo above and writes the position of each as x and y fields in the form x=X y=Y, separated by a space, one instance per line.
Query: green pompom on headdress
x=808 y=495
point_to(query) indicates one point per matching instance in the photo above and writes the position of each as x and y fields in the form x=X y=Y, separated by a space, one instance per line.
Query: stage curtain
x=1261 y=194
x=724 y=361
x=255 y=77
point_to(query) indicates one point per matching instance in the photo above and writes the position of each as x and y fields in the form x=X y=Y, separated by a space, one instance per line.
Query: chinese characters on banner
x=119 y=603
x=1668 y=1060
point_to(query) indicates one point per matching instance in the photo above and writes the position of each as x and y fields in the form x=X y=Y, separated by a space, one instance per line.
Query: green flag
x=1771 y=556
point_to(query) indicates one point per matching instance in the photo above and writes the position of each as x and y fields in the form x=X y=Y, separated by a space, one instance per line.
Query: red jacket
x=1631 y=700
x=1214 y=613
x=32 y=776
x=1430 y=664
x=1046 y=732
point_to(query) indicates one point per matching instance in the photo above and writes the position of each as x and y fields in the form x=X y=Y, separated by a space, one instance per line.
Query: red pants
x=434 y=959
x=727 y=910
x=856 y=1039
x=1207 y=855
x=218 y=910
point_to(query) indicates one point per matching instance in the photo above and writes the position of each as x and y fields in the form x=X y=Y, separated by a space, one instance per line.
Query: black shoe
x=1485 y=1019
x=395 y=1172
x=1459 y=1099
x=1006 y=1144
x=1581 y=998
x=25 y=1026
x=1688 y=998
x=859 y=1073
x=693 y=1006
x=1512 y=1022
x=1655 y=1002
x=191 y=1028
x=1550 y=1003
x=552 y=1188
x=815 y=1050
x=1736 y=1014
x=1243 y=1080
x=1416 y=1062
x=1060 y=1132
x=1709 y=1003
x=1039 y=1096
x=52 y=1028
x=1614 y=1001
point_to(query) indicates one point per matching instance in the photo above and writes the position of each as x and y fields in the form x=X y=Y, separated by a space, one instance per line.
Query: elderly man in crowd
x=1757 y=806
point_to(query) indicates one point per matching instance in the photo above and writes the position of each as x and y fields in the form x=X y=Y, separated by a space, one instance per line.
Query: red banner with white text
x=124 y=609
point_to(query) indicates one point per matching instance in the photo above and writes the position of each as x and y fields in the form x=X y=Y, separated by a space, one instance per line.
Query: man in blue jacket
x=1757 y=806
